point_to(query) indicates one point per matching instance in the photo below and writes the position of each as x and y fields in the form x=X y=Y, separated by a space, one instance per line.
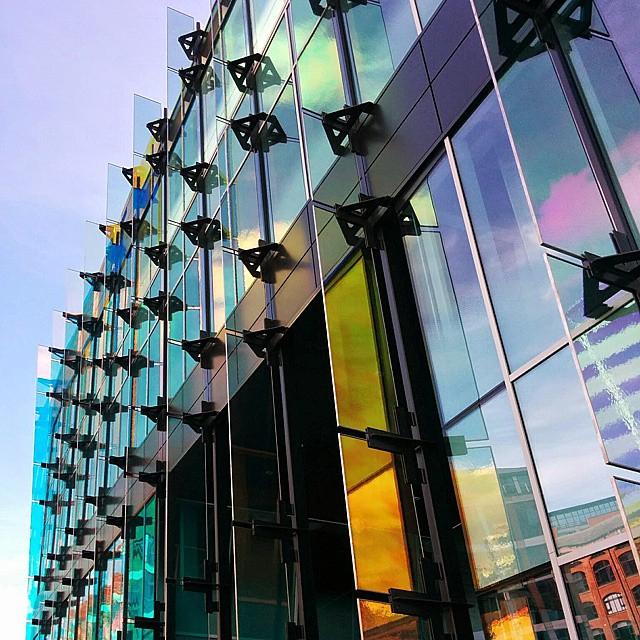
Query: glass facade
x=353 y=354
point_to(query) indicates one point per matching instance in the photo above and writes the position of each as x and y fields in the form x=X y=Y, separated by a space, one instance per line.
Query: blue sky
x=68 y=74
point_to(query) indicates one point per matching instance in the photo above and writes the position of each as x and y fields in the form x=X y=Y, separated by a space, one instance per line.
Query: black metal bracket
x=201 y=422
x=364 y=215
x=158 y=254
x=242 y=71
x=115 y=282
x=202 y=349
x=254 y=136
x=206 y=586
x=153 y=478
x=94 y=279
x=408 y=221
x=263 y=341
x=135 y=228
x=134 y=315
x=192 y=42
x=157 y=161
x=127 y=172
x=93 y=326
x=256 y=260
x=133 y=363
x=107 y=364
x=194 y=176
x=202 y=232
x=419 y=605
x=158 y=129
x=403 y=445
x=163 y=307
x=341 y=126
x=159 y=413
x=193 y=76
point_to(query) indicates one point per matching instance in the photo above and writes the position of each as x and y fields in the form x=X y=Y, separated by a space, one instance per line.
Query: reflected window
x=589 y=610
x=603 y=572
x=636 y=595
x=580 y=581
x=598 y=634
x=623 y=631
x=628 y=564
x=614 y=603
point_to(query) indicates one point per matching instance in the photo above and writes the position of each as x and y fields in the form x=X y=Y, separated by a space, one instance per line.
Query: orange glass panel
x=375 y=518
x=379 y=623
x=511 y=625
x=354 y=353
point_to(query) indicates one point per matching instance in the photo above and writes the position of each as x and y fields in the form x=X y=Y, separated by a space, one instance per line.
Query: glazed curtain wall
x=536 y=375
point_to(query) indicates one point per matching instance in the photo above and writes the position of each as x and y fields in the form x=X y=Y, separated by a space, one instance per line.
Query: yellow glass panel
x=379 y=623
x=354 y=353
x=375 y=518
x=484 y=516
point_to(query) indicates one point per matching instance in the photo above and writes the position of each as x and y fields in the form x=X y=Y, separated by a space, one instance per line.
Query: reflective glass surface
x=496 y=500
x=454 y=321
x=507 y=239
x=579 y=497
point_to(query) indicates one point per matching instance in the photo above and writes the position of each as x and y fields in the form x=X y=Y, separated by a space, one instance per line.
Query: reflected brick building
x=353 y=355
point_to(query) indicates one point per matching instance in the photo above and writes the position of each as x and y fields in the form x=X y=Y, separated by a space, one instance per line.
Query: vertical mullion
x=502 y=358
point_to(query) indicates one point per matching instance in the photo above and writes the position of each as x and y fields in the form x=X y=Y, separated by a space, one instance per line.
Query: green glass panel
x=243 y=198
x=319 y=154
x=305 y=19
x=275 y=67
x=265 y=14
x=319 y=72
x=286 y=184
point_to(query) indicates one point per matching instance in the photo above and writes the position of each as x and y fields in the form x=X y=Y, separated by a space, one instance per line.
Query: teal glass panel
x=191 y=140
x=319 y=154
x=234 y=152
x=243 y=199
x=234 y=46
x=319 y=71
x=578 y=496
x=304 y=22
x=275 y=67
x=176 y=182
x=380 y=36
x=212 y=97
x=507 y=239
x=609 y=357
x=614 y=107
x=178 y=24
x=453 y=317
x=286 y=183
x=565 y=197
x=264 y=14
x=498 y=509
x=217 y=279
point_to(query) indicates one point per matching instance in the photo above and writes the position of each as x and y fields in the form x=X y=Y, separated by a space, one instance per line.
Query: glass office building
x=355 y=352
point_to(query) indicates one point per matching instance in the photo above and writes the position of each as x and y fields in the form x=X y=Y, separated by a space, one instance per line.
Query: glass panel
x=609 y=355
x=305 y=18
x=579 y=497
x=507 y=239
x=565 y=197
x=496 y=501
x=319 y=154
x=286 y=185
x=319 y=71
x=427 y=9
x=243 y=199
x=375 y=518
x=614 y=106
x=360 y=394
x=525 y=610
x=379 y=623
x=454 y=321
x=275 y=67
x=144 y=111
x=602 y=594
x=630 y=497
x=177 y=25
x=264 y=14
x=380 y=35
